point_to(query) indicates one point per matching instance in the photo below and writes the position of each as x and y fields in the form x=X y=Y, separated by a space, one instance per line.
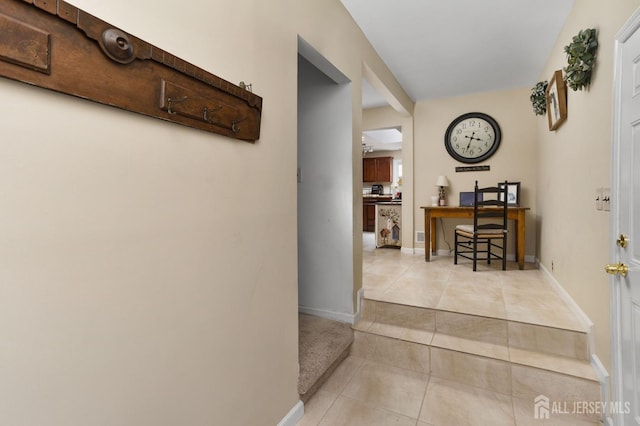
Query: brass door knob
x=617 y=269
x=622 y=241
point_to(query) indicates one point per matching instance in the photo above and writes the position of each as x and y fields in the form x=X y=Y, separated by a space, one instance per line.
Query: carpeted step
x=323 y=344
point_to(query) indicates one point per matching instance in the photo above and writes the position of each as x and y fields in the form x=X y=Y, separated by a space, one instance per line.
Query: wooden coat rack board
x=52 y=44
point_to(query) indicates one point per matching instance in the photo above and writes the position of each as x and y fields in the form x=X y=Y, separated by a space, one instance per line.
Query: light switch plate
x=606 y=199
x=598 y=198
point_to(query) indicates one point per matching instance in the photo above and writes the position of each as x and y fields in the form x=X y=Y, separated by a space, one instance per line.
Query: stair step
x=323 y=345
x=482 y=335
x=554 y=363
x=470 y=346
x=518 y=359
x=416 y=330
x=510 y=333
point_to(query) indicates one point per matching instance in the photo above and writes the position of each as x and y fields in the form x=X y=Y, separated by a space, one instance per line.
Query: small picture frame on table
x=513 y=193
x=556 y=101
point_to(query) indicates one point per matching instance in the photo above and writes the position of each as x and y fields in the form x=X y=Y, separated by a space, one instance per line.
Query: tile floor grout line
x=343 y=388
x=426 y=390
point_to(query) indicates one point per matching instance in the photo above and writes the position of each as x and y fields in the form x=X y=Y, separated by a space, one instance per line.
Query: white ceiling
x=444 y=48
x=383 y=139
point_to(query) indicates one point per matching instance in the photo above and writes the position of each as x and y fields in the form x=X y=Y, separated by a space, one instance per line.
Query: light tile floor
x=525 y=296
x=365 y=393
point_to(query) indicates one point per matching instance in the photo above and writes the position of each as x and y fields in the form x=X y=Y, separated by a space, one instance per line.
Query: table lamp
x=442 y=182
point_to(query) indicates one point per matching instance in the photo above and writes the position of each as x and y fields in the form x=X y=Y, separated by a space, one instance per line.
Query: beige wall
x=514 y=160
x=139 y=283
x=148 y=272
x=572 y=163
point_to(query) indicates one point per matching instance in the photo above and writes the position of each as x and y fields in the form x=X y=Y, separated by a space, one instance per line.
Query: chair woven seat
x=486 y=239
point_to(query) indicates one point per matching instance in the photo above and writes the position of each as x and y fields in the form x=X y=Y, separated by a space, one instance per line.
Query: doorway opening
x=382 y=184
x=325 y=218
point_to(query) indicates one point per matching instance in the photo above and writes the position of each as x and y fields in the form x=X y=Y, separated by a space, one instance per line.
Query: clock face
x=472 y=137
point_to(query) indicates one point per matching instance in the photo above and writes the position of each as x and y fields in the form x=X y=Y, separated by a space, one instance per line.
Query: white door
x=625 y=209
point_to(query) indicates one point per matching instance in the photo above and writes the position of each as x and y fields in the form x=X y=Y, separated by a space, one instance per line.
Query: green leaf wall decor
x=581 y=57
x=539 y=98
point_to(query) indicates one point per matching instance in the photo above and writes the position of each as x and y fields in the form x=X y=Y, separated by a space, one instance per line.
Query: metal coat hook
x=174 y=101
x=205 y=113
x=234 y=125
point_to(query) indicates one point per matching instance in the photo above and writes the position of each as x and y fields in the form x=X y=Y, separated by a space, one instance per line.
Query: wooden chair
x=486 y=239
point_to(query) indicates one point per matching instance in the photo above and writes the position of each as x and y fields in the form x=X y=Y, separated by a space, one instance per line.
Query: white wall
x=325 y=210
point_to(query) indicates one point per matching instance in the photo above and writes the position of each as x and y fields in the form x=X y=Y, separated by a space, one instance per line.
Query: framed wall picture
x=556 y=101
x=513 y=193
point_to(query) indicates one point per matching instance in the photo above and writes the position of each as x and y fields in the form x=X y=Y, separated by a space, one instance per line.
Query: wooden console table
x=431 y=213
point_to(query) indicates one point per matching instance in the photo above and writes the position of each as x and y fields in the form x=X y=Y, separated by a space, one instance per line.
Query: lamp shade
x=442 y=181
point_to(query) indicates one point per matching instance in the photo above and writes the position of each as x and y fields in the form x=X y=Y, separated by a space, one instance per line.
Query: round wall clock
x=472 y=137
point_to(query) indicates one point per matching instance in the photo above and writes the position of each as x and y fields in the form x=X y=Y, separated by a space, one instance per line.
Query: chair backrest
x=490 y=203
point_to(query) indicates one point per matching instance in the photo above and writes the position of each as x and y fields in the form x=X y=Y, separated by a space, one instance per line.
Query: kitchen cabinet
x=368 y=217
x=377 y=169
x=369 y=211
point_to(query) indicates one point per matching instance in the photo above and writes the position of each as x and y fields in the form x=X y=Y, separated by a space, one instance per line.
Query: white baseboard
x=584 y=319
x=605 y=386
x=335 y=316
x=411 y=250
x=359 y=297
x=293 y=416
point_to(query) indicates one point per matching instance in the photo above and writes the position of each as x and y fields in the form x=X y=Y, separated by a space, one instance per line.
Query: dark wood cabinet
x=377 y=169
x=369 y=212
x=369 y=170
x=368 y=217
